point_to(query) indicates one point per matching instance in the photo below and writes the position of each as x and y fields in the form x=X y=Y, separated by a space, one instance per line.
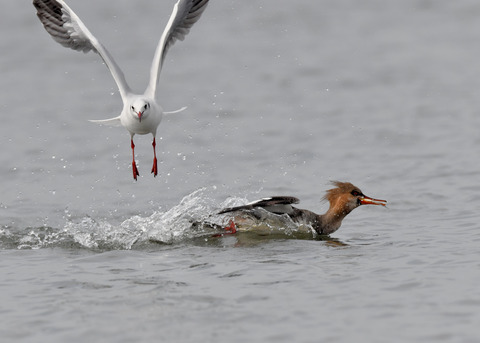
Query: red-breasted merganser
x=344 y=198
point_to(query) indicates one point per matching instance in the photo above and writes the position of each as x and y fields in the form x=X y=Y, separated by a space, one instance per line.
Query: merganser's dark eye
x=355 y=193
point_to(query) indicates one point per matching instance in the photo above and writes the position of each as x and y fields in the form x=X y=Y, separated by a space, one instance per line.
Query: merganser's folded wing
x=277 y=205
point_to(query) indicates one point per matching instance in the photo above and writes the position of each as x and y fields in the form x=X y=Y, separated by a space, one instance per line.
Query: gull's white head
x=140 y=109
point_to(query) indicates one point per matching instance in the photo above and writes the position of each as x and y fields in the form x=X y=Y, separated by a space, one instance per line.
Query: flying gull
x=141 y=113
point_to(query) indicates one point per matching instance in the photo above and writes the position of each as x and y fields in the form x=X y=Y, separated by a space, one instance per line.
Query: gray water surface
x=282 y=96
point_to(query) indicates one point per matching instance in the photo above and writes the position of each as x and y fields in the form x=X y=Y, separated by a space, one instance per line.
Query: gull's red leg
x=134 y=165
x=154 y=168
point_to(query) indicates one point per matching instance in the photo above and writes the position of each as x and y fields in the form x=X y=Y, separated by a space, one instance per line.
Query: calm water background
x=282 y=97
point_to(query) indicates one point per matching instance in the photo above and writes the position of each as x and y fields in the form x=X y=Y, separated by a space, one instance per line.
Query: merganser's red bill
x=370 y=201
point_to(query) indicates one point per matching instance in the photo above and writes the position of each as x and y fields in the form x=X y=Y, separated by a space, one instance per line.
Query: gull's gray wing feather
x=185 y=14
x=66 y=28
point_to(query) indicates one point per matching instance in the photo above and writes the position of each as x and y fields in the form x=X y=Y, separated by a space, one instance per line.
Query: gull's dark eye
x=145 y=107
x=356 y=193
x=133 y=108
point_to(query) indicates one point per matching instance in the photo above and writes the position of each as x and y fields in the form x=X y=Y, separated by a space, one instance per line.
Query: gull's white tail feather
x=110 y=122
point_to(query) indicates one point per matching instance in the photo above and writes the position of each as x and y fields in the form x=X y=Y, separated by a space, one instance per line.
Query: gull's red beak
x=140 y=116
x=370 y=201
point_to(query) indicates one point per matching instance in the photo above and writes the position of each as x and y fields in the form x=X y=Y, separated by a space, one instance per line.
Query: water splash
x=167 y=227
x=175 y=224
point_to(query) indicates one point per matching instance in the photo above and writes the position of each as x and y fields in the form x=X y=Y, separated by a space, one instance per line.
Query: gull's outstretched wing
x=176 y=111
x=277 y=204
x=66 y=28
x=185 y=14
x=110 y=122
